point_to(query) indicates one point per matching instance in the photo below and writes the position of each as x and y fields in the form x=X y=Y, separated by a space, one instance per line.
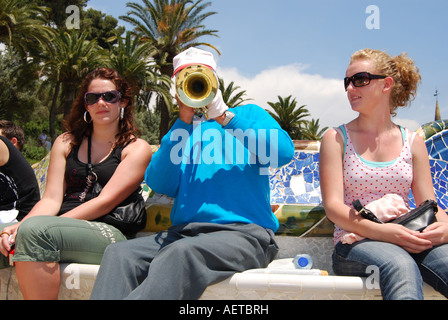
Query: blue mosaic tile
x=436 y=139
x=305 y=167
x=298 y=182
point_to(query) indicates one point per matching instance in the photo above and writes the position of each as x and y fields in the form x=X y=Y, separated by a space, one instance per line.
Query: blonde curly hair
x=401 y=68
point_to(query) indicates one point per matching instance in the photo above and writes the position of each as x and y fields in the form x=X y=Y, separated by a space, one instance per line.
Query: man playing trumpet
x=222 y=221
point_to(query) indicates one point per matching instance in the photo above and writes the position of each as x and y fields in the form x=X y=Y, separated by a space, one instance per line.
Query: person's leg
x=208 y=253
x=434 y=267
x=38 y=280
x=43 y=242
x=399 y=275
x=126 y=264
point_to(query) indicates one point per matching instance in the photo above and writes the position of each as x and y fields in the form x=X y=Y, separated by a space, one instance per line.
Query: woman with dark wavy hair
x=66 y=225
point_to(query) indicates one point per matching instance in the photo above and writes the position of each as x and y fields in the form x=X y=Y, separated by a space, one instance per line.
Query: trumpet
x=196 y=87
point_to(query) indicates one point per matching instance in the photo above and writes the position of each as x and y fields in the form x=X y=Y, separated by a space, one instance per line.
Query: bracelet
x=4 y=232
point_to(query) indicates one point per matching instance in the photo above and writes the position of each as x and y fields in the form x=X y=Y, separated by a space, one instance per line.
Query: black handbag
x=129 y=216
x=416 y=219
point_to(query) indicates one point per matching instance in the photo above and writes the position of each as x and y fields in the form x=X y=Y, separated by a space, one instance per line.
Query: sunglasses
x=109 y=96
x=361 y=79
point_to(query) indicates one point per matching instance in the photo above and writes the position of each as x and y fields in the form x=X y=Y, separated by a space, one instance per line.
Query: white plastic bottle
x=303 y=261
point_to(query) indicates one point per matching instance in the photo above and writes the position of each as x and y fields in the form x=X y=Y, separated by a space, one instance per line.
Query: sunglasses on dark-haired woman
x=110 y=97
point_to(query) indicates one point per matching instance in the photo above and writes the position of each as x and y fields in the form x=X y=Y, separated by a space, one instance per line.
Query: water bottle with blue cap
x=303 y=261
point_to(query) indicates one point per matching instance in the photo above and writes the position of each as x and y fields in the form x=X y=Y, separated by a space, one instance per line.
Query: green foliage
x=18 y=99
x=313 y=131
x=33 y=153
x=100 y=27
x=23 y=26
x=57 y=13
x=231 y=97
x=148 y=123
x=289 y=118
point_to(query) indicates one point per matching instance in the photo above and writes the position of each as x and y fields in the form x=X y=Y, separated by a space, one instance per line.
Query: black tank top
x=76 y=176
x=18 y=184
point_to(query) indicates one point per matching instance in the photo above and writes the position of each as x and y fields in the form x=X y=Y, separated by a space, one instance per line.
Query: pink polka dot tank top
x=368 y=182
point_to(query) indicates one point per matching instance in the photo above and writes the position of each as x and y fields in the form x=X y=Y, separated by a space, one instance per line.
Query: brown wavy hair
x=75 y=123
x=401 y=68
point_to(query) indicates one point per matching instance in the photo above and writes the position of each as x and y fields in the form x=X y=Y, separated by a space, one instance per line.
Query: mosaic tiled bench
x=296 y=200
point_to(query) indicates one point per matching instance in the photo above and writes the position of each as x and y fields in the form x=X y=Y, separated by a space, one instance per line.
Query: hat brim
x=188 y=65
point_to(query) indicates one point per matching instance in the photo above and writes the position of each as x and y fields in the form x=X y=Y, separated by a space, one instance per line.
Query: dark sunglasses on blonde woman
x=361 y=79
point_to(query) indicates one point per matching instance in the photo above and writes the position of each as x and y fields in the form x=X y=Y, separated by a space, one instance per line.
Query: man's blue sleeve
x=164 y=170
x=268 y=132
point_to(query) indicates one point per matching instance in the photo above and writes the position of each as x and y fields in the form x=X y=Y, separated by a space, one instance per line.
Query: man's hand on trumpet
x=216 y=110
x=185 y=113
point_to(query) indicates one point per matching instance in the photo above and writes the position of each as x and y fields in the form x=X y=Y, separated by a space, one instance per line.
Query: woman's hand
x=436 y=232
x=8 y=238
x=409 y=240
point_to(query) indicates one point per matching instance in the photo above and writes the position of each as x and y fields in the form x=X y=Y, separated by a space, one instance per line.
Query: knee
x=401 y=280
x=403 y=272
x=402 y=265
x=183 y=249
x=35 y=241
x=118 y=253
x=32 y=228
x=113 y=250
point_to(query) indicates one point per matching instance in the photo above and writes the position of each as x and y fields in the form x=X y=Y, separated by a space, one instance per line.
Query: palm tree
x=237 y=99
x=289 y=118
x=312 y=130
x=79 y=57
x=23 y=26
x=67 y=62
x=132 y=58
x=171 y=26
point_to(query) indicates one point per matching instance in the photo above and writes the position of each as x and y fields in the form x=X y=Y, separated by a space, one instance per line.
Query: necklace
x=91 y=176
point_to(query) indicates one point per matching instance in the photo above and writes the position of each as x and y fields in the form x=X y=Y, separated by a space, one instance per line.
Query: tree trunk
x=164 y=118
x=69 y=97
x=53 y=109
x=164 y=111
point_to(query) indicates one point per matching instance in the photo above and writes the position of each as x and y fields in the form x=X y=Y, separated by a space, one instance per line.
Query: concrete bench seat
x=277 y=284
x=279 y=281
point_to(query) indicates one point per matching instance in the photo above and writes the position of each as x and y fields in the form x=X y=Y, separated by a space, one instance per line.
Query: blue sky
x=302 y=48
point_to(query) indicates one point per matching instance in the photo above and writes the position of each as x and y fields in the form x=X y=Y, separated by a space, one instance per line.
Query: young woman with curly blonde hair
x=373 y=159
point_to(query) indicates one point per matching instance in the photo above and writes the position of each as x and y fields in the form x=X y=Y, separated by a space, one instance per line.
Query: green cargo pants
x=60 y=239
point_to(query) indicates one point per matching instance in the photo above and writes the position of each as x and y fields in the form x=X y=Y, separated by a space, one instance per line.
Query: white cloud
x=407 y=123
x=325 y=98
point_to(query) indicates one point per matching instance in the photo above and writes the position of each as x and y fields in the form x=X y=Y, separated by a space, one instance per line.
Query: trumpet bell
x=196 y=86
